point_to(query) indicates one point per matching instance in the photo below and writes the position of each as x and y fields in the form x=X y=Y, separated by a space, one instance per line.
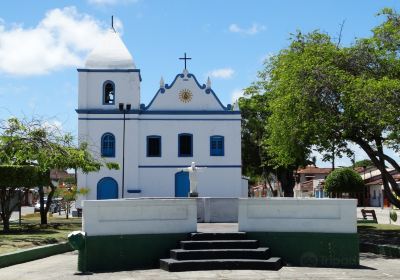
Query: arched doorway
x=182 y=184
x=107 y=188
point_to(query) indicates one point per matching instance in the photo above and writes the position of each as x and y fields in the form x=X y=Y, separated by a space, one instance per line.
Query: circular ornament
x=185 y=95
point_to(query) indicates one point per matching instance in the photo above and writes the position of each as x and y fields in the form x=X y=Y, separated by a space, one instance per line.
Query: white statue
x=193 y=170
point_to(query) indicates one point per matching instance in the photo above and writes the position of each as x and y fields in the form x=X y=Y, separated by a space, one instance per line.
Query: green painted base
x=311 y=249
x=144 y=251
x=127 y=252
x=33 y=254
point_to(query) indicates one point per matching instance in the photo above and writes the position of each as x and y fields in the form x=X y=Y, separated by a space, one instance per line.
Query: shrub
x=344 y=180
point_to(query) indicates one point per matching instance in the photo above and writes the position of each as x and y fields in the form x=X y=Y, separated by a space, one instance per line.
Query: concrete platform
x=63 y=267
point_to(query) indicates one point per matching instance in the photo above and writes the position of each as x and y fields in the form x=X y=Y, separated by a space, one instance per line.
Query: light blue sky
x=42 y=43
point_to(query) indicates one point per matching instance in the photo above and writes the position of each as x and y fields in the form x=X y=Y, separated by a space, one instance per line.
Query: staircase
x=209 y=251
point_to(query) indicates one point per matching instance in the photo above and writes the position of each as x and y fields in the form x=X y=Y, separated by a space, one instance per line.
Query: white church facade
x=185 y=122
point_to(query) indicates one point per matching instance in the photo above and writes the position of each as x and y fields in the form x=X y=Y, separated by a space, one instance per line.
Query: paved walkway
x=381 y=214
x=63 y=266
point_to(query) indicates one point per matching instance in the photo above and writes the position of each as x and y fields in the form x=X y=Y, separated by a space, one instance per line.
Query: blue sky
x=42 y=44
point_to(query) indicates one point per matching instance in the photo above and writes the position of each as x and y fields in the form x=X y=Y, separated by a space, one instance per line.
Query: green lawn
x=31 y=233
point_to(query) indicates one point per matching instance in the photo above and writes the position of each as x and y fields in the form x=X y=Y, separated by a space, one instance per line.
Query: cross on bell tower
x=185 y=58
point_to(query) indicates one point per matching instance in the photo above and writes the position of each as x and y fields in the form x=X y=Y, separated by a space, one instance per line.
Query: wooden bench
x=369 y=214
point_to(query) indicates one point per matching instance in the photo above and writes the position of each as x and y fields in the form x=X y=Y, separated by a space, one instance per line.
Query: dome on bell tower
x=110 y=53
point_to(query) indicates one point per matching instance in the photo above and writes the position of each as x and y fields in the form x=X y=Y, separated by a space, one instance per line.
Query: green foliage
x=363 y=163
x=323 y=95
x=393 y=216
x=22 y=177
x=344 y=180
x=38 y=143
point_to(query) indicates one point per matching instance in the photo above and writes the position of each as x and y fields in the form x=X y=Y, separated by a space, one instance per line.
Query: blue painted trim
x=104 y=92
x=202 y=87
x=110 y=71
x=160 y=112
x=186 y=112
x=134 y=191
x=179 y=145
x=208 y=91
x=214 y=153
x=152 y=100
x=190 y=75
x=111 y=155
x=147 y=144
x=184 y=166
x=169 y=119
x=102 y=179
x=176 y=78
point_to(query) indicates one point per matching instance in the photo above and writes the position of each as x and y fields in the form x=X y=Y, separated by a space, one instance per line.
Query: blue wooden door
x=107 y=188
x=182 y=184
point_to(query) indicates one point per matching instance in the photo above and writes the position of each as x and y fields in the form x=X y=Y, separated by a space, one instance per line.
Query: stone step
x=259 y=253
x=213 y=264
x=219 y=244
x=217 y=235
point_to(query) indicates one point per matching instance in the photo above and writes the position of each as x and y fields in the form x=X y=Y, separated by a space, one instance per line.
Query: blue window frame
x=108 y=145
x=108 y=93
x=185 y=145
x=153 y=146
x=217 y=145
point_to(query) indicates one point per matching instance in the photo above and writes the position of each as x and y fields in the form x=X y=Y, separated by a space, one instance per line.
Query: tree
x=344 y=180
x=38 y=143
x=14 y=179
x=323 y=93
x=257 y=160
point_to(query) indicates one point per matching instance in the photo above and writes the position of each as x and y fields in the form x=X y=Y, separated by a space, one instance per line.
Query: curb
x=34 y=254
x=387 y=250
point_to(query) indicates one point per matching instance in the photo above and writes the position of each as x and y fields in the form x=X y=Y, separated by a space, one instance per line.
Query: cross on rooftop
x=185 y=58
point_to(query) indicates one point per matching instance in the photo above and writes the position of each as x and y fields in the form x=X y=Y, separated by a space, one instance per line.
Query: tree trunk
x=286 y=178
x=385 y=175
x=6 y=225
x=43 y=213
x=6 y=195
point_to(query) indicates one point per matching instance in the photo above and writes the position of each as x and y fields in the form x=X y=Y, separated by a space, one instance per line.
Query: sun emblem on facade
x=185 y=95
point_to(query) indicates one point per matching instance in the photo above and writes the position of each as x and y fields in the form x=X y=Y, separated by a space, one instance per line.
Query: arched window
x=108 y=93
x=108 y=145
x=216 y=145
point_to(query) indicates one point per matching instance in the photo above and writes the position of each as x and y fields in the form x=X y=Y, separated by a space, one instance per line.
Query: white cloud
x=110 y=2
x=223 y=73
x=236 y=94
x=254 y=29
x=61 y=39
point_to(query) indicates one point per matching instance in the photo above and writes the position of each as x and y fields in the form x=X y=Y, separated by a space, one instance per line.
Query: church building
x=185 y=122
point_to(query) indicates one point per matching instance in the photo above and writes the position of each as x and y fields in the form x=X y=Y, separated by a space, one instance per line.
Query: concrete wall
x=217 y=210
x=298 y=215
x=139 y=216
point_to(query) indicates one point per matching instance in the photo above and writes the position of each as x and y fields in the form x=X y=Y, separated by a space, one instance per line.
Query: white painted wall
x=169 y=100
x=298 y=215
x=221 y=179
x=139 y=216
x=127 y=89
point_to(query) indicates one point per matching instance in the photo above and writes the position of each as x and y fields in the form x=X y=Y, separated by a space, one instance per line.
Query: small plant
x=393 y=216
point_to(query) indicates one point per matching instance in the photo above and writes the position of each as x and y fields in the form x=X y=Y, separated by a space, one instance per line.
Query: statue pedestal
x=193 y=194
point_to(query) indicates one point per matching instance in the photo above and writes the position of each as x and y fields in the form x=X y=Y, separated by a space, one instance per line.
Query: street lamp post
x=124 y=110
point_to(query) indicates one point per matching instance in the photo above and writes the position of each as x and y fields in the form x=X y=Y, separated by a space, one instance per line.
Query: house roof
x=378 y=181
x=309 y=169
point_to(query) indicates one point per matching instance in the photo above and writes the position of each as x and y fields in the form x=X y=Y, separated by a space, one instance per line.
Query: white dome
x=111 y=53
